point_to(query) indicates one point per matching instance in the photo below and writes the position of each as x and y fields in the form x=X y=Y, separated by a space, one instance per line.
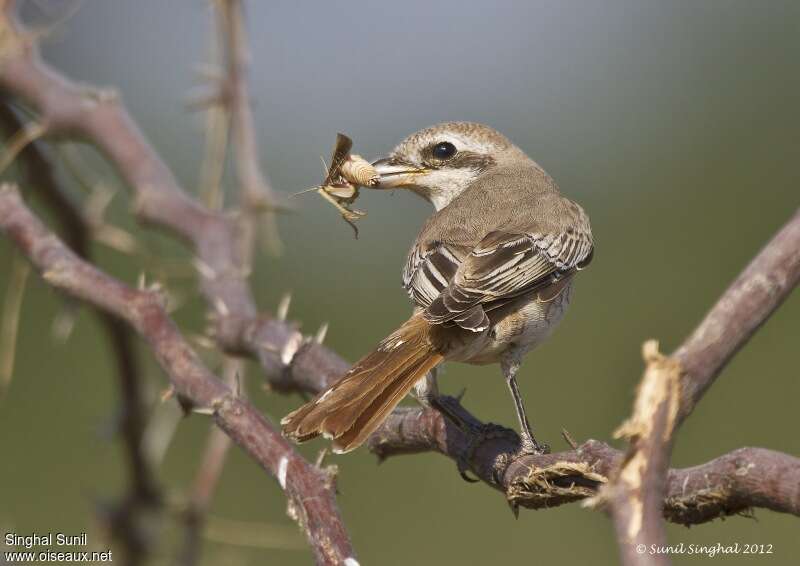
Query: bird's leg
x=426 y=391
x=528 y=442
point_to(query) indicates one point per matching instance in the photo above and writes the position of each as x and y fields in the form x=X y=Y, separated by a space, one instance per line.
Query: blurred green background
x=675 y=124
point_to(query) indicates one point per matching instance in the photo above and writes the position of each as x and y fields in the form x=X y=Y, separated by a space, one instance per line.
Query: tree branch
x=256 y=196
x=310 y=490
x=747 y=303
x=728 y=485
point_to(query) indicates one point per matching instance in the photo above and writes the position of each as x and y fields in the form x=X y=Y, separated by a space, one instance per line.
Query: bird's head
x=440 y=162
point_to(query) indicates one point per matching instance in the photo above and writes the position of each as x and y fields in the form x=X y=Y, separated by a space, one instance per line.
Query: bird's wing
x=429 y=269
x=504 y=265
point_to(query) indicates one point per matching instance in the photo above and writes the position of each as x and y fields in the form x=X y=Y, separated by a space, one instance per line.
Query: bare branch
x=98 y=116
x=310 y=490
x=256 y=196
x=749 y=301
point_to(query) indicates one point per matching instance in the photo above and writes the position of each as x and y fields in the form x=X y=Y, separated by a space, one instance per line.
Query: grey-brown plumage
x=490 y=276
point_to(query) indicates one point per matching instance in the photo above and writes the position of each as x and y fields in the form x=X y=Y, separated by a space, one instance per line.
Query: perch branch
x=310 y=490
x=728 y=485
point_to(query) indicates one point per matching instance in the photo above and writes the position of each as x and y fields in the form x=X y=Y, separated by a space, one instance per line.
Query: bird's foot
x=477 y=435
x=529 y=445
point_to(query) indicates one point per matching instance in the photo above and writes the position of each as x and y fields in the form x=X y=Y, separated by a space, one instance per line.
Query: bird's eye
x=444 y=150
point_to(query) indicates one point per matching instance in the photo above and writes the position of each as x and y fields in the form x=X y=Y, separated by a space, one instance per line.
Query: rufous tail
x=353 y=407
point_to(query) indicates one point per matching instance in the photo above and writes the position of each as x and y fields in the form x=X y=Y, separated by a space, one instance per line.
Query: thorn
x=29 y=133
x=205 y=101
x=203 y=268
x=141 y=282
x=320 y=457
x=208 y=411
x=290 y=348
x=221 y=307
x=63 y=324
x=514 y=509
x=321 y=333
x=569 y=439
x=104 y=95
x=155 y=287
x=117 y=239
x=167 y=394
x=237 y=384
x=461 y=394
x=283 y=307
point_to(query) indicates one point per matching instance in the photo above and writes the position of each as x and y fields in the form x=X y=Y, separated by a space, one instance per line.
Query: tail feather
x=352 y=408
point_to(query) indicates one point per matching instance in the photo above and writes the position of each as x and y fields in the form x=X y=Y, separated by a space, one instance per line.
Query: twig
x=256 y=196
x=9 y=328
x=27 y=134
x=310 y=490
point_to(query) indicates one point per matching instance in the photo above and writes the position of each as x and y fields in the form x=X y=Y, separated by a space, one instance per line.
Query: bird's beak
x=393 y=174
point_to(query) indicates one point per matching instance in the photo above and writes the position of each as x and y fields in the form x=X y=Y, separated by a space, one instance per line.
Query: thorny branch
x=254 y=197
x=729 y=484
x=66 y=109
x=308 y=488
x=255 y=194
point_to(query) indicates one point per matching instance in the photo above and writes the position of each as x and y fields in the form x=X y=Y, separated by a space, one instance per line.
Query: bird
x=490 y=276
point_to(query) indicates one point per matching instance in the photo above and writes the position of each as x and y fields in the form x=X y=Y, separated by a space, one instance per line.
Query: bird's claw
x=529 y=446
x=477 y=436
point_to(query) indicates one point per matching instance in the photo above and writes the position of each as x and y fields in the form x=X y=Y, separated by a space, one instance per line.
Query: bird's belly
x=521 y=328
